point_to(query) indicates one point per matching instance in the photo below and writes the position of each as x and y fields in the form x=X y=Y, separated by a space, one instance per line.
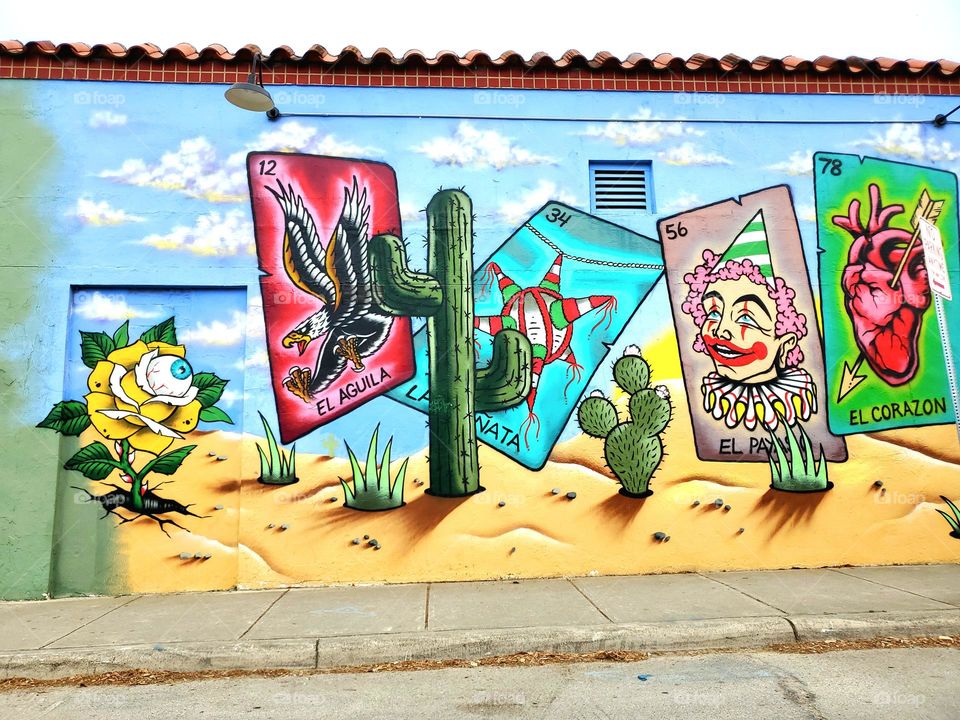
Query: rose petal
x=110 y=428
x=185 y=399
x=129 y=356
x=149 y=441
x=184 y=420
x=168 y=349
x=118 y=392
x=99 y=379
x=130 y=385
x=140 y=371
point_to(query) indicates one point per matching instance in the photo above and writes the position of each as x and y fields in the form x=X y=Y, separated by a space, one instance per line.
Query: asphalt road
x=875 y=684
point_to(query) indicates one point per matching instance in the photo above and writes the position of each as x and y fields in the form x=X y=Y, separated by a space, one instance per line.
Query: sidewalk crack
x=736 y=589
x=260 y=617
x=587 y=598
x=891 y=587
x=93 y=620
x=426 y=608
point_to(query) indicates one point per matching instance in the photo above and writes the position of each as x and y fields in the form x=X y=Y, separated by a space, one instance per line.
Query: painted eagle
x=351 y=325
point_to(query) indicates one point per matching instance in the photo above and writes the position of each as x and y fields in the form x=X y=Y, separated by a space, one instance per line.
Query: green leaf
x=210 y=388
x=94 y=347
x=161 y=332
x=68 y=417
x=169 y=463
x=214 y=414
x=94 y=461
x=121 y=338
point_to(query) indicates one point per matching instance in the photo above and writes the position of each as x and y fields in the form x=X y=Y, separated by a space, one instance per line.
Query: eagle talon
x=347 y=347
x=298 y=382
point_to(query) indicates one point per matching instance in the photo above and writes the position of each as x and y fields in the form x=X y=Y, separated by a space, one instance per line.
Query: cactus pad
x=631 y=373
x=597 y=416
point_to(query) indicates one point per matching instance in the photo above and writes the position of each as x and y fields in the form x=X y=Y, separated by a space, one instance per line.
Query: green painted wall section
x=29 y=455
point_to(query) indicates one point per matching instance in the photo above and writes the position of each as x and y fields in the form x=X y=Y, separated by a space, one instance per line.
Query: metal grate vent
x=621 y=185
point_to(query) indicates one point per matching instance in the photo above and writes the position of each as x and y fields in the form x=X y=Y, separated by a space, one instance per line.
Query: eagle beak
x=298 y=339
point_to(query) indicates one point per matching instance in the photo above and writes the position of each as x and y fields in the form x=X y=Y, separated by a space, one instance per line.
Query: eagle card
x=570 y=282
x=747 y=328
x=331 y=348
x=885 y=363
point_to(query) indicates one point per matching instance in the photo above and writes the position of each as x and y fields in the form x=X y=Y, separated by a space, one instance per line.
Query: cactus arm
x=597 y=416
x=397 y=289
x=454 y=465
x=506 y=381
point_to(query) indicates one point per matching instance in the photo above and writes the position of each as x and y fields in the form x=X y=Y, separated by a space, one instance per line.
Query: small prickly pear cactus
x=632 y=449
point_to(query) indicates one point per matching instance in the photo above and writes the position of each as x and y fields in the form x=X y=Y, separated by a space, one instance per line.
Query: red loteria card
x=331 y=348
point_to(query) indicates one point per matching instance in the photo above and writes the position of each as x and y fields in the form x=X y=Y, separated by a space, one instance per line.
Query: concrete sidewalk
x=340 y=626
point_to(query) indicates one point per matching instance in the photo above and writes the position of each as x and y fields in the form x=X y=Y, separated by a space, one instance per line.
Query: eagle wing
x=347 y=257
x=303 y=254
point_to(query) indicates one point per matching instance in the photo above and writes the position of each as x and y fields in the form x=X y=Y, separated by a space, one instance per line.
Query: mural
x=552 y=277
x=884 y=353
x=318 y=292
x=744 y=307
x=414 y=348
x=143 y=396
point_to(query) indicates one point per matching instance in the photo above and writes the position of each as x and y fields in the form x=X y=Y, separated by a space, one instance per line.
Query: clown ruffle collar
x=790 y=397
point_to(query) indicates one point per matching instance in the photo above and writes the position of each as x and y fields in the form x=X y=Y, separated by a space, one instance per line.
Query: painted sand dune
x=537 y=533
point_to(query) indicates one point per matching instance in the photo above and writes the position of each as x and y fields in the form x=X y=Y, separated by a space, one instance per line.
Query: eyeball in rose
x=143 y=393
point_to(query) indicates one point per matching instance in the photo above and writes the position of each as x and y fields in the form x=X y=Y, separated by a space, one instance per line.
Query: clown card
x=747 y=328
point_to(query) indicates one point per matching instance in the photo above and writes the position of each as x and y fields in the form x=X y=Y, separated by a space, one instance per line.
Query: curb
x=326 y=653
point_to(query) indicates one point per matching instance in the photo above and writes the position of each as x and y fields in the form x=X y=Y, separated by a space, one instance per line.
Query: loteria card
x=331 y=349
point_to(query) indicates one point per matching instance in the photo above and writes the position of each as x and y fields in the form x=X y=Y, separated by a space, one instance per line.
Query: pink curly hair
x=788 y=319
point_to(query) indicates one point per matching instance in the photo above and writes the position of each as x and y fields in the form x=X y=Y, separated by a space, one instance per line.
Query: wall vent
x=621 y=186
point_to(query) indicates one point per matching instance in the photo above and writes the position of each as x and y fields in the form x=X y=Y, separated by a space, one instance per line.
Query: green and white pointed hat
x=751 y=244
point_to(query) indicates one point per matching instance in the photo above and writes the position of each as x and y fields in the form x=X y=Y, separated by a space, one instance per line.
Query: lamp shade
x=249 y=96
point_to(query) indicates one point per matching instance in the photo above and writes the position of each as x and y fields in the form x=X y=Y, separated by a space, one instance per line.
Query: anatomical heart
x=331 y=347
x=885 y=365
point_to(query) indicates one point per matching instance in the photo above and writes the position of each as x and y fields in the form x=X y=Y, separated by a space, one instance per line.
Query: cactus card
x=885 y=362
x=568 y=282
x=331 y=348
x=747 y=329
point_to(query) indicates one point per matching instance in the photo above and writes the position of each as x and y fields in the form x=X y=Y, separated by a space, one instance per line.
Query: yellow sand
x=538 y=534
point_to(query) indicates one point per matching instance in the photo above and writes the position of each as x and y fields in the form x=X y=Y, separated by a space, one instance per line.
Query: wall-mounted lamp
x=252 y=95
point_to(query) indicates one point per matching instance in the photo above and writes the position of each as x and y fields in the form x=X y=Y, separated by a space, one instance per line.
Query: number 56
x=675 y=230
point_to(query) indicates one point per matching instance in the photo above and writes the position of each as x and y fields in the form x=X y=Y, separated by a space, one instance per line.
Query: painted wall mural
x=881 y=336
x=338 y=350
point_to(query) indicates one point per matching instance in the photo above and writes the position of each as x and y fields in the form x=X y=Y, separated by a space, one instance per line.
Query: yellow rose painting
x=144 y=396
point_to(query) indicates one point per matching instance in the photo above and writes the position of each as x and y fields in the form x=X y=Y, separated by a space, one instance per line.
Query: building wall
x=127 y=204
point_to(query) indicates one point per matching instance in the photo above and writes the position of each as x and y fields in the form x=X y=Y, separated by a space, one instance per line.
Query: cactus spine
x=632 y=449
x=445 y=296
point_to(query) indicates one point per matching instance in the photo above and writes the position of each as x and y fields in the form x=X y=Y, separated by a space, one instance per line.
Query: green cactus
x=444 y=295
x=633 y=449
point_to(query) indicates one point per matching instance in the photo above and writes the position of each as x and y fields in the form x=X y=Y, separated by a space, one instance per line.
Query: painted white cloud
x=256 y=359
x=107 y=119
x=474 y=148
x=688 y=154
x=213 y=234
x=516 y=211
x=99 y=306
x=645 y=131
x=220 y=333
x=410 y=211
x=198 y=169
x=230 y=397
x=906 y=141
x=684 y=201
x=91 y=212
x=807 y=213
x=799 y=163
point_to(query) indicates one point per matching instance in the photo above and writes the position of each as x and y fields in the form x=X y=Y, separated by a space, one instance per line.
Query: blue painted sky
x=149 y=185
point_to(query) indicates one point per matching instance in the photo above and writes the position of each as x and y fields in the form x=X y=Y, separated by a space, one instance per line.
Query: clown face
x=739 y=331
